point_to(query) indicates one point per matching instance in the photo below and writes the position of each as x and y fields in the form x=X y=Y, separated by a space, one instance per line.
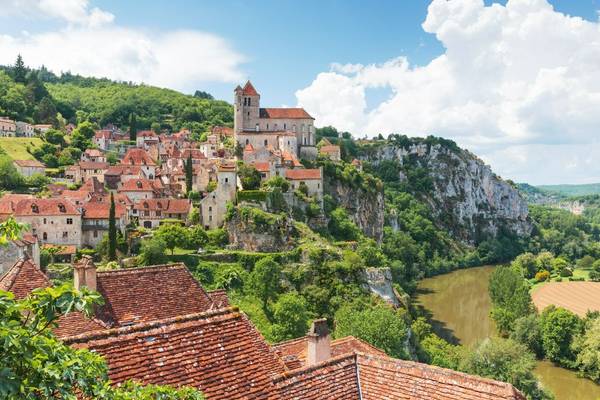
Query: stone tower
x=246 y=108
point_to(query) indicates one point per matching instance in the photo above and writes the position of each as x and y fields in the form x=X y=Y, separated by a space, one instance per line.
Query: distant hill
x=572 y=190
x=537 y=195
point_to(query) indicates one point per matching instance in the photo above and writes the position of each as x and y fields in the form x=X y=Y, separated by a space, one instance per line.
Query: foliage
x=152 y=252
x=10 y=178
x=173 y=235
x=218 y=237
x=277 y=182
x=587 y=347
x=527 y=264
x=265 y=280
x=558 y=329
x=290 y=317
x=542 y=276
x=527 y=330
x=508 y=361
x=112 y=231
x=510 y=298
x=196 y=237
x=249 y=177
x=342 y=227
x=378 y=324
x=10 y=230
x=253 y=196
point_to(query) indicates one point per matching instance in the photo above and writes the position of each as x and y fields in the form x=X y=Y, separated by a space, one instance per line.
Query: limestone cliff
x=463 y=193
x=252 y=229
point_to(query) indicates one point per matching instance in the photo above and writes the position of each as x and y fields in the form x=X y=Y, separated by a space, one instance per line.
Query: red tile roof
x=137 y=157
x=261 y=166
x=101 y=210
x=150 y=293
x=146 y=134
x=222 y=130
x=45 y=207
x=332 y=148
x=173 y=206
x=249 y=90
x=124 y=170
x=196 y=154
x=106 y=134
x=22 y=278
x=29 y=163
x=76 y=323
x=219 y=352
x=93 y=153
x=303 y=174
x=284 y=113
x=219 y=298
x=137 y=185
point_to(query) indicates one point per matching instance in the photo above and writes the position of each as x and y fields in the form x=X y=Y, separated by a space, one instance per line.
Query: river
x=458 y=305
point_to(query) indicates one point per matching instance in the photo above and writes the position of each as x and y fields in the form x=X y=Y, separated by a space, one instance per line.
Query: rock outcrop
x=465 y=196
x=252 y=229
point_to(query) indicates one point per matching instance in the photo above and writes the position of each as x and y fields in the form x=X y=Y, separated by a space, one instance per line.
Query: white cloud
x=519 y=79
x=91 y=44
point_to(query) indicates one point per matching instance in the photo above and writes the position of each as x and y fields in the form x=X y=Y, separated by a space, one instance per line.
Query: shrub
x=542 y=276
x=566 y=272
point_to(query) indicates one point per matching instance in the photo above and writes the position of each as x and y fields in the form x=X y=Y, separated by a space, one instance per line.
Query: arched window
x=266 y=142
x=257 y=128
x=247 y=141
x=44 y=236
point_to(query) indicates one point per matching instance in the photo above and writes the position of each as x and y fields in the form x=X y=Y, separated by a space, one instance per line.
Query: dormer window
x=159 y=205
x=35 y=208
x=62 y=208
x=145 y=205
x=139 y=184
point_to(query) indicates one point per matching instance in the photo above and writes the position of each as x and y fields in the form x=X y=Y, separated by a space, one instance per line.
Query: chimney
x=84 y=273
x=319 y=342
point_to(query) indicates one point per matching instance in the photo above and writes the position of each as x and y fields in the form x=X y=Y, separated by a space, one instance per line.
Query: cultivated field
x=578 y=297
x=16 y=147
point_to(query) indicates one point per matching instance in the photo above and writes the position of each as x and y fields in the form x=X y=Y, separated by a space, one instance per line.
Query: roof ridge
x=288 y=341
x=145 y=326
x=298 y=371
x=158 y=267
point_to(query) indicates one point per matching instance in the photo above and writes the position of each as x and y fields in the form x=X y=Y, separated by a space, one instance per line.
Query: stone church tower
x=247 y=108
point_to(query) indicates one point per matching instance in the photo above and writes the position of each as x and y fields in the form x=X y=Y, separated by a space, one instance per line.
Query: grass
x=16 y=147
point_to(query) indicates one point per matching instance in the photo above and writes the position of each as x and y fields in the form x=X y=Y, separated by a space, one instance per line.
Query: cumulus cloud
x=518 y=84
x=91 y=44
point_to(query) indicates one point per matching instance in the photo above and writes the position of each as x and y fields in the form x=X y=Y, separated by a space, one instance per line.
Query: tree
x=559 y=264
x=19 y=70
x=45 y=112
x=508 y=361
x=10 y=178
x=112 y=230
x=36 y=365
x=558 y=329
x=203 y=95
x=342 y=227
x=277 y=182
x=526 y=264
x=189 y=174
x=10 y=230
x=132 y=127
x=377 y=324
x=510 y=297
x=197 y=237
x=290 y=317
x=527 y=331
x=265 y=280
x=544 y=260
x=587 y=347
x=152 y=251
x=249 y=177
x=173 y=235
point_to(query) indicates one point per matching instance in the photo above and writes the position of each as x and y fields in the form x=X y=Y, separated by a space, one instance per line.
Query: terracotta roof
x=174 y=206
x=331 y=148
x=248 y=148
x=219 y=298
x=249 y=90
x=137 y=185
x=222 y=130
x=284 y=113
x=303 y=174
x=196 y=154
x=137 y=157
x=261 y=166
x=93 y=153
x=146 y=134
x=93 y=165
x=45 y=207
x=150 y=293
x=106 y=134
x=356 y=162
x=101 y=210
x=76 y=323
x=22 y=278
x=219 y=352
x=29 y=163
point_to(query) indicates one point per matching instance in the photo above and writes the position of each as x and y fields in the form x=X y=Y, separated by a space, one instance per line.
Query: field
x=578 y=297
x=16 y=147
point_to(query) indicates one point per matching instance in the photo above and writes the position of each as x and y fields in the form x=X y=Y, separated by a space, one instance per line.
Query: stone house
x=214 y=206
x=118 y=174
x=144 y=139
x=85 y=170
x=331 y=151
x=25 y=129
x=140 y=158
x=8 y=127
x=42 y=128
x=151 y=212
x=312 y=178
x=95 y=220
x=102 y=139
x=29 y=167
x=139 y=189
x=93 y=155
x=255 y=125
x=54 y=221
x=26 y=247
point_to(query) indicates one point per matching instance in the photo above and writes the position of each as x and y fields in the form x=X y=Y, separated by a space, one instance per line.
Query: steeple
x=249 y=90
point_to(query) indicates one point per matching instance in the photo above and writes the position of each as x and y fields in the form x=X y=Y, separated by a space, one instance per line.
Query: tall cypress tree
x=19 y=70
x=132 y=127
x=189 y=173
x=112 y=231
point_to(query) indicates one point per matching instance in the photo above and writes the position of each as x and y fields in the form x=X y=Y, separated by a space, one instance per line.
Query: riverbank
x=458 y=306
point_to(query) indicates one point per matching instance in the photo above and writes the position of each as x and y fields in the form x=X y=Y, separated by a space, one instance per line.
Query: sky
x=517 y=82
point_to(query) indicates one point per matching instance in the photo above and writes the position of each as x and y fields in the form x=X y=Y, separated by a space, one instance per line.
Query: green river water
x=458 y=305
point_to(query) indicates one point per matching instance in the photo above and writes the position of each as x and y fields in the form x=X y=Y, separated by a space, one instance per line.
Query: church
x=285 y=129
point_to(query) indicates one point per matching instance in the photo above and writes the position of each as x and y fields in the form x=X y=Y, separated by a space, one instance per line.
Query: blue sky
x=516 y=81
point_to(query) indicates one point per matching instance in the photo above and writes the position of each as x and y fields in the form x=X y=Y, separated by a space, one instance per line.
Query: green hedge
x=252 y=195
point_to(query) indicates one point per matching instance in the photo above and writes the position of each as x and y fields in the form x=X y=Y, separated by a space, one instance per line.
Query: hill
x=16 y=148
x=572 y=190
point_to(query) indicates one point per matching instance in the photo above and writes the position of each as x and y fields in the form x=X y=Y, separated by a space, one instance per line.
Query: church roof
x=284 y=113
x=249 y=90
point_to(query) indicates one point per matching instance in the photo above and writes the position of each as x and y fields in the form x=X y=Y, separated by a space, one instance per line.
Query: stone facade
x=214 y=206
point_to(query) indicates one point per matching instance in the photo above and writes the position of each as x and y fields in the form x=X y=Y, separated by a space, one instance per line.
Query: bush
x=558 y=328
x=542 y=276
x=253 y=196
x=566 y=272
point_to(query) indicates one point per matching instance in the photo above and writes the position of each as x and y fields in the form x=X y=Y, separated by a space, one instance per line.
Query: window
x=247 y=141
x=226 y=180
x=45 y=221
x=257 y=128
x=69 y=221
x=267 y=126
x=95 y=234
x=266 y=142
x=210 y=217
x=248 y=113
x=294 y=128
x=249 y=101
x=304 y=140
x=158 y=213
x=65 y=235
x=147 y=224
x=209 y=208
x=284 y=126
x=146 y=213
x=45 y=236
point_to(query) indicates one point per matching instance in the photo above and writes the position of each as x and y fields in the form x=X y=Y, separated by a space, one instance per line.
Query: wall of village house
x=315 y=186
x=54 y=227
x=12 y=252
x=29 y=171
x=214 y=206
x=93 y=173
x=93 y=230
x=138 y=195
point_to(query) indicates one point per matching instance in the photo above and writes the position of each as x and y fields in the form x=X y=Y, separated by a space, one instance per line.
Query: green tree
x=10 y=178
x=152 y=251
x=342 y=227
x=587 y=347
x=265 y=281
x=197 y=237
x=527 y=331
x=189 y=174
x=544 y=260
x=277 y=182
x=508 y=361
x=112 y=230
x=558 y=329
x=526 y=264
x=19 y=70
x=290 y=317
x=378 y=324
x=585 y=262
x=436 y=351
x=132 y=127
x=510 y=297
x=173 y=235
x=45 y=112
x=559 y=264
x=10 y=230
x=249 y=177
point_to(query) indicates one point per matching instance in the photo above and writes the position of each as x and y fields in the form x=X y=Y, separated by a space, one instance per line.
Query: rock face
x=256 y=230
x=367 y=210
x=466 y=197
x=379 y=282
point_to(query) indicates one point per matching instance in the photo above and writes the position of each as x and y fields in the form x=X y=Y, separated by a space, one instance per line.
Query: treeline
x=40 y=96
